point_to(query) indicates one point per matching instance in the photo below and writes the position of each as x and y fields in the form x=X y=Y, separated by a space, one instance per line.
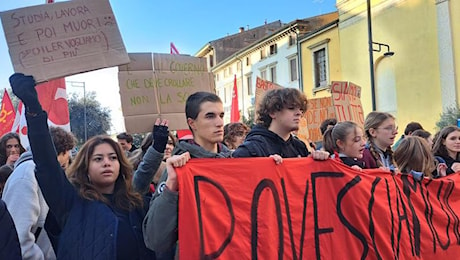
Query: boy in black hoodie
x=278 y=116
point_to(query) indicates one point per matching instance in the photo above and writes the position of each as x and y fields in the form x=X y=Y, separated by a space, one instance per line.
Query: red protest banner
x=305 y=209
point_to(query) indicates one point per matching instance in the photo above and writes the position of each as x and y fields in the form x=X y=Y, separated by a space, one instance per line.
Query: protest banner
x=147 y=94
x=346 y=97
x=306 y=209
x=60 y=39
x=318 y=110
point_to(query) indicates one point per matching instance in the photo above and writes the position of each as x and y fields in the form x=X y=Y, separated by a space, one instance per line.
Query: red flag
x=53 y=98
x=235 y=114
x=7 y=115
x=173 y=49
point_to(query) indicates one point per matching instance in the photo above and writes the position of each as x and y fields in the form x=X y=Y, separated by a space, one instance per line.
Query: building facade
x=420 y=80
x=274 y=58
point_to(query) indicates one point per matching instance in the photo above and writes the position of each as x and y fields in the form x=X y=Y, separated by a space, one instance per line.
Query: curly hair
x=63 y=140
x=124 y=196
x=3 y=140
x=278 y=99
x=233 y=130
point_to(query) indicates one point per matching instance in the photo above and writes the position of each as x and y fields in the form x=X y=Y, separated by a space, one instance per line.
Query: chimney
x=241 y=29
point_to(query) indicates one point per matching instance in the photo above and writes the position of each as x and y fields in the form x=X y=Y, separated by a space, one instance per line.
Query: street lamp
x=388 y=53
x=80 y=84
x=371 y=53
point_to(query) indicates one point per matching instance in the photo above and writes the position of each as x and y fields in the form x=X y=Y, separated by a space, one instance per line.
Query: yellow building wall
x=333 y=48
x=409 y=27
x=455 y=22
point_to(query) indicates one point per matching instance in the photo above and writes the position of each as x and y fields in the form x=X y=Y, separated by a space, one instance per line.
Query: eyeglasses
x=391 y=129
x=12 y=145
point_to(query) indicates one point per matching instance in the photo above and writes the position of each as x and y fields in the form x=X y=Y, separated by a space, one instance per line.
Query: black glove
x=24 y=88
x=160 y=137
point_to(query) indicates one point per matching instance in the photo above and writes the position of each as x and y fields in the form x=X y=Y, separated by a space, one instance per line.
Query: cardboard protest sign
x=346 y=97
x=318 y=110
x=168 y=62
x=60 y=39
x=262 y=86
x=147 y=94
x=306 y=209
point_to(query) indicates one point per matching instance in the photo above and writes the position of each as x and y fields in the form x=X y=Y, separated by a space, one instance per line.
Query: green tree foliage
x=448 y=117
x=97 y=117
x=250 y=120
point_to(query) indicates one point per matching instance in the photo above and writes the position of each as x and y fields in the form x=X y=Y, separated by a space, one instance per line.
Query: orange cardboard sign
x=306 y=209
x=347 y=102
x=319 y=109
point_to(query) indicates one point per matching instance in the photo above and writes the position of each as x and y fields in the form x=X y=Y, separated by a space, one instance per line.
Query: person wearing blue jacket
x=97 y=210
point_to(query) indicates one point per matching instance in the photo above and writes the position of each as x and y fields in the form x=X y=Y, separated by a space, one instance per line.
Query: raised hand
x=160 y=135
x=24 y=88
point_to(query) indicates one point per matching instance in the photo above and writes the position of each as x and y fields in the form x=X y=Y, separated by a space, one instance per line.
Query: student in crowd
x=98 y=211
x=204 y=112
x=380 y=129
x=234 y=134
x=446 y=147
x=325 y=125
x=425 y=135
x=9 y=242
x=126 y=142
x=413 y=156
x=27 y=205
x=410 y=128
x=170 y=145
x=345 y=140
x=277 y=117
x=5 y=173
x=10 y=148
x=151 y=165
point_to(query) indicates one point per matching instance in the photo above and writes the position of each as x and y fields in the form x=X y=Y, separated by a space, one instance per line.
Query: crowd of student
x=115 y=201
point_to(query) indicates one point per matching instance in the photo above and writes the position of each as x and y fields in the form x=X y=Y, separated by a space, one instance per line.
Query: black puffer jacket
x=261 y=142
